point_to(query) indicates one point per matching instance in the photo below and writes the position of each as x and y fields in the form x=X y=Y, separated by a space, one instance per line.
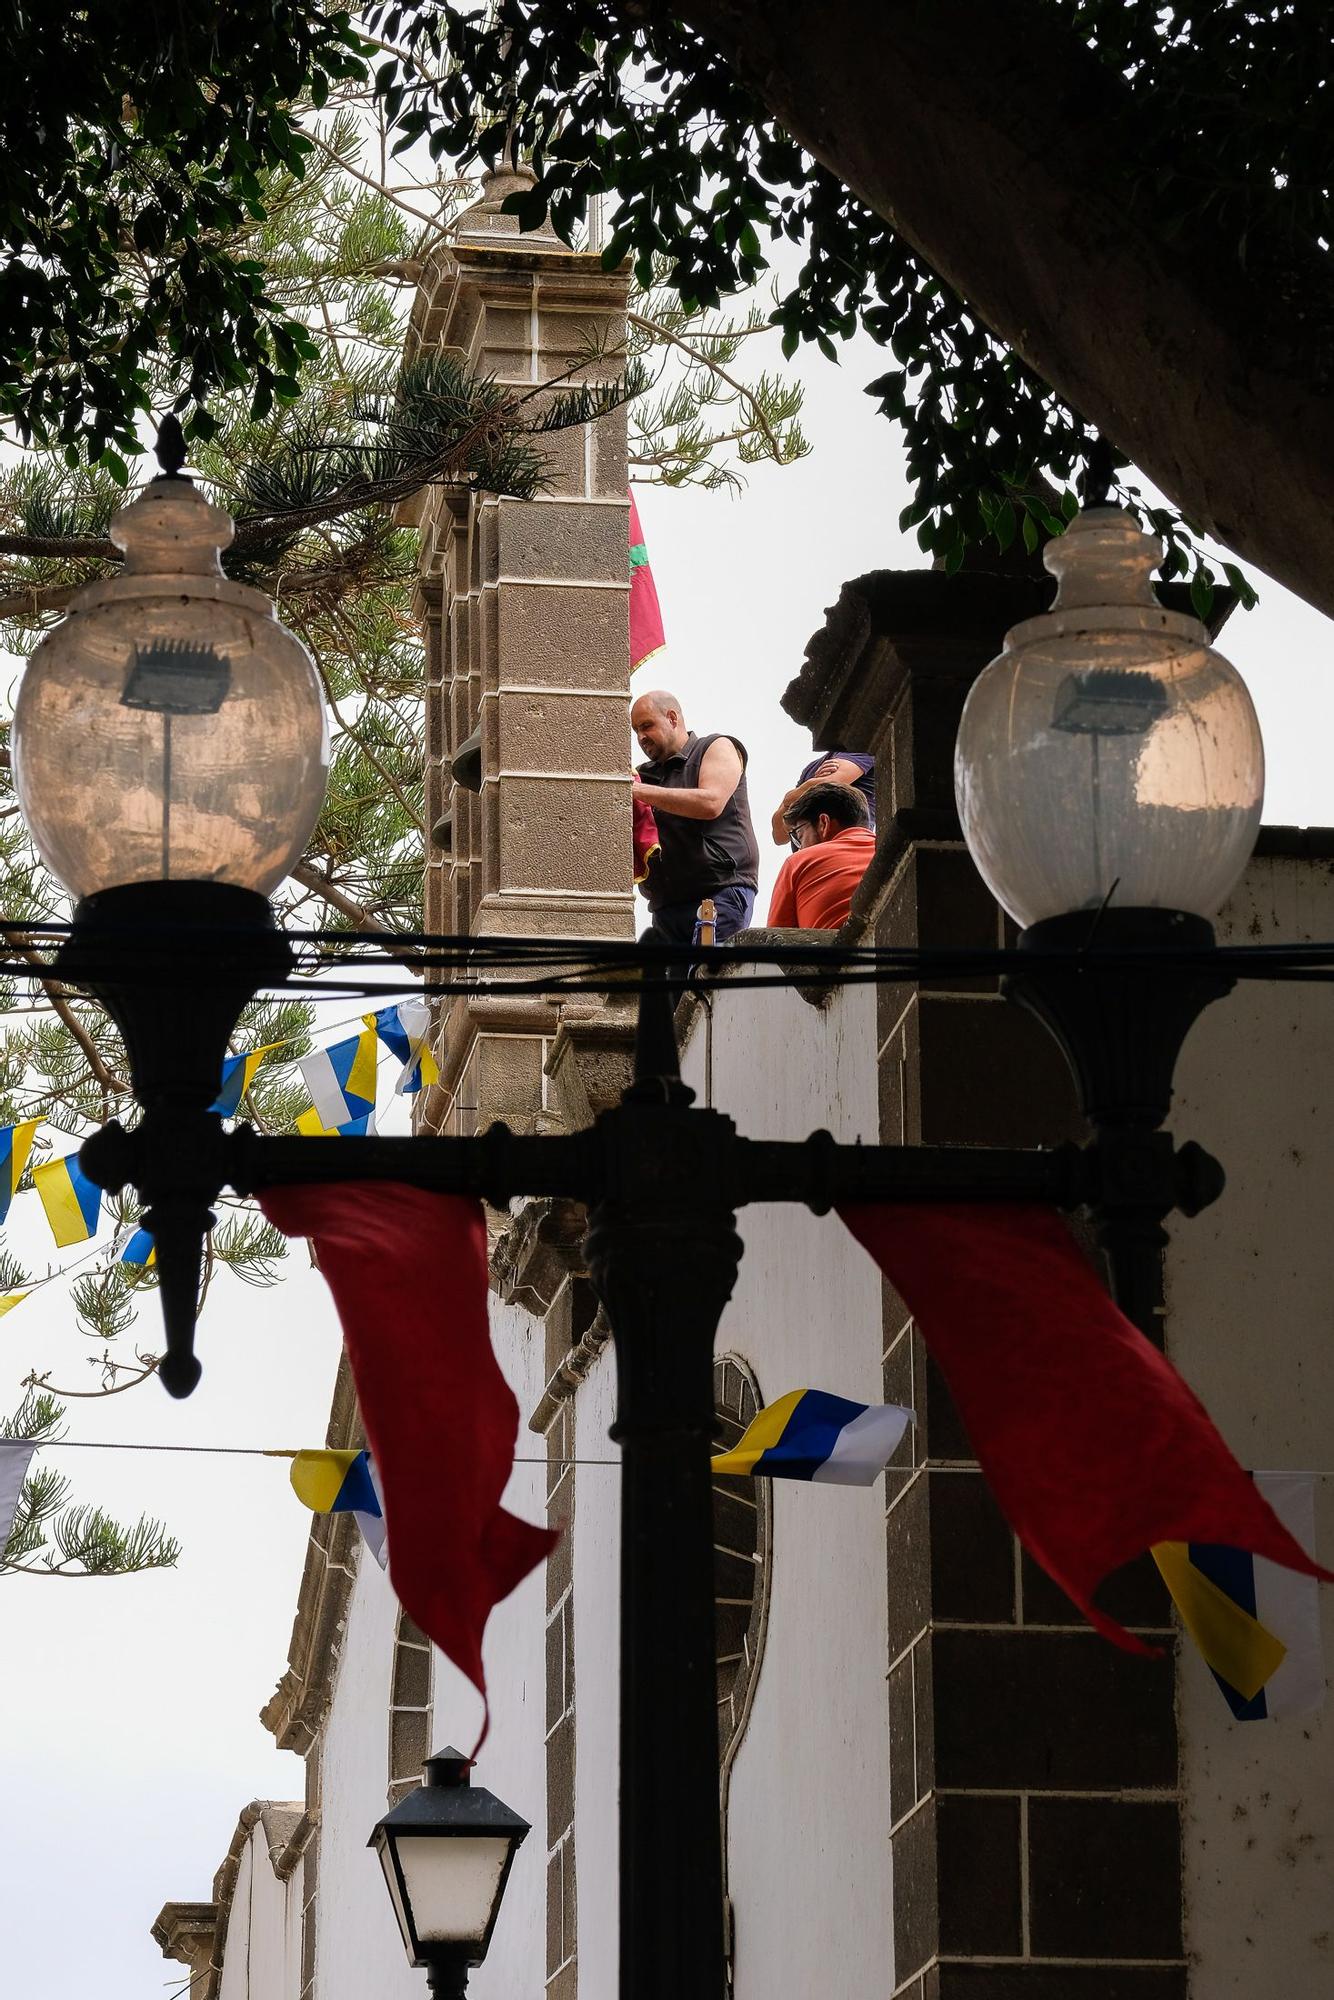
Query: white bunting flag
x=14 y=1462
x=1288 y=1604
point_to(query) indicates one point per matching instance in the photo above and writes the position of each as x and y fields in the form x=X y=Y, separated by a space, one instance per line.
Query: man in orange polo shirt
x=832 y=829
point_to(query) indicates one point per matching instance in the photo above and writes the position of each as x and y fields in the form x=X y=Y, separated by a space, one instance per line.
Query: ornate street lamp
x=447 y=1850
x=1109 y=772
x=200 y=723
x=215 y=748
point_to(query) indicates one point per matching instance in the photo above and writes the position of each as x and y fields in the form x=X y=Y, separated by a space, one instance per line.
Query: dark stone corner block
x=1054 y=1982
x=1104 y=1878
x=1039 y=1710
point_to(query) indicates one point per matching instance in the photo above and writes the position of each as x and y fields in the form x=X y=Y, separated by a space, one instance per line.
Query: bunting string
x=236 y=1450
x=271 y=1451
x=342 y=1078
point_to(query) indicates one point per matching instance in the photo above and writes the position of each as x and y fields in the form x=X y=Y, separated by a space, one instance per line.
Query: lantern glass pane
x=401 y=1915
x=452 y=1884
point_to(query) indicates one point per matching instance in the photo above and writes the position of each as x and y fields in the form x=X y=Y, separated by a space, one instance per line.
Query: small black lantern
x=447 y=1850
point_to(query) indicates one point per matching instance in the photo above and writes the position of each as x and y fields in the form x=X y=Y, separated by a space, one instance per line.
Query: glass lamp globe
x=1110 y=750
x=170 y=729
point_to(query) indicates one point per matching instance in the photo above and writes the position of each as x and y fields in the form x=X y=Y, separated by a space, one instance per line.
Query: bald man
x=696 y=786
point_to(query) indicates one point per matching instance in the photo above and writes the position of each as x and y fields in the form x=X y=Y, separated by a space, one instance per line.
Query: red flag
x=1091 y=1442
x=408 y=1272
x=644 y=833
x=646 y=633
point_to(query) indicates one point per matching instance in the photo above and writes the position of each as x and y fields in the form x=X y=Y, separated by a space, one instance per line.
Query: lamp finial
x=170 y=446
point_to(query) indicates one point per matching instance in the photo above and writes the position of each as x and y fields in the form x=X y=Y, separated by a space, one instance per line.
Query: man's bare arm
x=719 y=776
x=834 y=771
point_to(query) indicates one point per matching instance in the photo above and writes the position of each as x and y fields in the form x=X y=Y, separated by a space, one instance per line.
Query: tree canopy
x=133 y=142
x=312 y=481
x=1054 y=214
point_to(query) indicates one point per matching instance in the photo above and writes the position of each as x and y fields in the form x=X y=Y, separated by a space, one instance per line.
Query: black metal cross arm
x=824 y=1174
x=646 y=1158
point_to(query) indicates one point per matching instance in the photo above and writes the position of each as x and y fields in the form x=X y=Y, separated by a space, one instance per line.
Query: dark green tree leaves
x=132 y=145
x=1227 y=110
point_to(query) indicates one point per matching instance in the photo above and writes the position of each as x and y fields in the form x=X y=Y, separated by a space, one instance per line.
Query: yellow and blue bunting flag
x=342 y=1482
x=72 y=1202
x=238 y=1073
x=341 y=1080
x=310 y=1125
x=405 y=1030
x=1256 y=1623
x=140 y=1251
x=810 y=1434
x=15 y=1146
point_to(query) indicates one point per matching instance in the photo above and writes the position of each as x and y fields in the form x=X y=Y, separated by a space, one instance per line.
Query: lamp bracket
x=173 y=963
x=1120 y=990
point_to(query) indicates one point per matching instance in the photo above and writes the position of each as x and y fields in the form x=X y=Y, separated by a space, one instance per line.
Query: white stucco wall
x=358 y=1949
x=263 y=1955
x=513 y=1761
x=809 y=1807
x=809 y=1854
x=1251 y=1325
x=597 y=1627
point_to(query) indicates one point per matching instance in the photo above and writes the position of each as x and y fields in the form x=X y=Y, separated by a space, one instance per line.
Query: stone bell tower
x=525 y=605
x=525 y=608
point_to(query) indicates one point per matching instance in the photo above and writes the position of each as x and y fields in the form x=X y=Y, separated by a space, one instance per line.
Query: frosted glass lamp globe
x=1109 y=744
x=170 y=729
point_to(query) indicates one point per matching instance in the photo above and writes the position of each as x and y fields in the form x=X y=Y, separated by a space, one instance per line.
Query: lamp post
x=446 y=1851
x=175 y=945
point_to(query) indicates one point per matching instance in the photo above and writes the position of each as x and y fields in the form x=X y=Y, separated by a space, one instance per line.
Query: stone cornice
x=535 y=1254
x=571 y=1372
x=195 y=1934
x=278 y=1822
x=891 y=625
x=184 y=1931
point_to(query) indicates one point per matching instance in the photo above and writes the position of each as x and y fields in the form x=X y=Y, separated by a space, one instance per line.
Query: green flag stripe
x=638 y=555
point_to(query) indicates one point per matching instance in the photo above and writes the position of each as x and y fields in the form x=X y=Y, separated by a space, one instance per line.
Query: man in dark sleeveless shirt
x=696 y=786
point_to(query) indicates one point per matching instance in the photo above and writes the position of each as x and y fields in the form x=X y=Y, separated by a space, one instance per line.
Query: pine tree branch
x=385 y=194
x=486 y=432
x=479 y=440
x=745 y=395
x=53 y=1569
x=338 y=899
x=114 y=1368
x=62 y=548
x=352 y=910
x=35 y=598
x=351 y=731
x=56 y=994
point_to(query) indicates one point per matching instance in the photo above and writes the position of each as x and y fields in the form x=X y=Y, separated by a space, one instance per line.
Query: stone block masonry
x=1034 y=1793
x=526 y=610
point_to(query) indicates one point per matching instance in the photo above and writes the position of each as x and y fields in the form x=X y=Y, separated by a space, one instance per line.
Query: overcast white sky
x=130 y=1708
